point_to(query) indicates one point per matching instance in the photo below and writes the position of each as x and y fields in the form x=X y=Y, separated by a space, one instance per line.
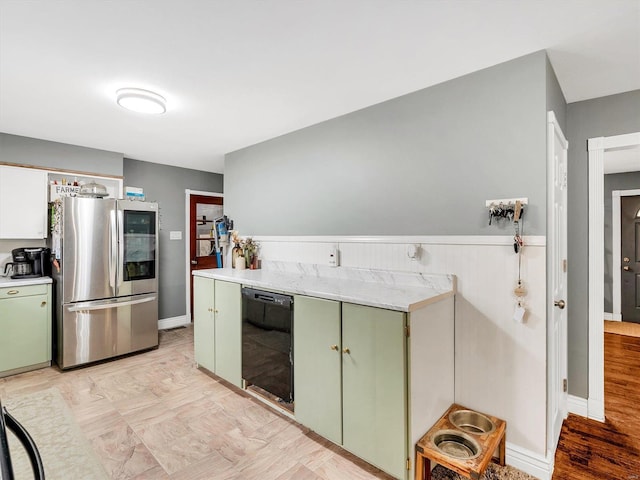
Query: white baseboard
x=614 y=317
x=529 y=462
x=578 y=406
x=596 y=409
x=173 y=322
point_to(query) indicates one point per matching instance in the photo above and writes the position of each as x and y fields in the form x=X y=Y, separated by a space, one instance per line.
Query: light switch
x=175 y=235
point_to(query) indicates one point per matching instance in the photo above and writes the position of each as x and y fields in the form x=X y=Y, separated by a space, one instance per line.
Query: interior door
x=204 y=210
x=630 y=250
x=557 y=327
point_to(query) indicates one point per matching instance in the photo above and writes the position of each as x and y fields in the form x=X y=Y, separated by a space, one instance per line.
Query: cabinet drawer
x=23 y=291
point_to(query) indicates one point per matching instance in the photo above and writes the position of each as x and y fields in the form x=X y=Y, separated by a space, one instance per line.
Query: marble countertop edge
x=372 y=288
x=7 y=282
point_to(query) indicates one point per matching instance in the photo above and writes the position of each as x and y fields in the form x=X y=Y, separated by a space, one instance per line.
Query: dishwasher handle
x=267 y=297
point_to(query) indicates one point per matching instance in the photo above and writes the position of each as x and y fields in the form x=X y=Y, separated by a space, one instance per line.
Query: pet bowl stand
x=472 y=468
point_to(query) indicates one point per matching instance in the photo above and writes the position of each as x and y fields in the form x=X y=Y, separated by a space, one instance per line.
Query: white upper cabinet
x=23 y=203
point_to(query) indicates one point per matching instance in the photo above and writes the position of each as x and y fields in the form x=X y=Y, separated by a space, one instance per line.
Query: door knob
x=626 y=268
x=346 y=350
x=626 y=260
x=560 y=304
x=334 y=347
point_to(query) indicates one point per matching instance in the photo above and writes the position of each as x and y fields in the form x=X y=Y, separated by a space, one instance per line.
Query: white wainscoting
x=500 y=364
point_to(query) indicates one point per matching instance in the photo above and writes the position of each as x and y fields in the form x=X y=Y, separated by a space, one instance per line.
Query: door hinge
x=407 y=330
x=564 y=385
x=408 y=464
x=564 y=265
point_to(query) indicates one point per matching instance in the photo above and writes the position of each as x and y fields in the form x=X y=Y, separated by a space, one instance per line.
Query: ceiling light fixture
x=142 y=101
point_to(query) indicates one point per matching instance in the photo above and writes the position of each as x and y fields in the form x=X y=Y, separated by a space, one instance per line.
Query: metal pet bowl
x=456 y=444
x=472 y=422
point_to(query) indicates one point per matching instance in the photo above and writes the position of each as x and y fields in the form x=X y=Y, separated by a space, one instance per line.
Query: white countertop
x=8 y=282
x=400 y=291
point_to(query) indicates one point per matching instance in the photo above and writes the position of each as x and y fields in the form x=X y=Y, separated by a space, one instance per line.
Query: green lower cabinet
x=203 y=322
x=217 y=329
x=374 y=387
x=317 y=359
x=25 y=327
x=228 y=332
x=350 y=370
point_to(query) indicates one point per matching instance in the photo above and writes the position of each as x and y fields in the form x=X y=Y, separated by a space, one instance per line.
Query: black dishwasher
x=267 y=343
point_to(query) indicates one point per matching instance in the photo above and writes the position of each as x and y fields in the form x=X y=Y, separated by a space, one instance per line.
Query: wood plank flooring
x=592 y=450
x=156 y=416
x=622 y=328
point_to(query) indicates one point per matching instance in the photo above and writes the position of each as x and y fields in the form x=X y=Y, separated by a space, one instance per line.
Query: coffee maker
x=30 y=262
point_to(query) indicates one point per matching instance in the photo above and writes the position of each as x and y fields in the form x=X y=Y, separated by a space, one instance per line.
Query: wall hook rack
x=511 y=209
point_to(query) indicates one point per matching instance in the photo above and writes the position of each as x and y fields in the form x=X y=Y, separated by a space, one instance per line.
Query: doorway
x=202 y=250
x=598 y=149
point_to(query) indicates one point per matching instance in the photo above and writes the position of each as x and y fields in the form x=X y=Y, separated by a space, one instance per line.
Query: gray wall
x=615 y=181
x=166 y=185
x=423 y=163
x=46 y=154
x=606 y=116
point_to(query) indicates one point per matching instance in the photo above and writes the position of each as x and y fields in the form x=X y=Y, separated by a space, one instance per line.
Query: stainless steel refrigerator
x=105 y=272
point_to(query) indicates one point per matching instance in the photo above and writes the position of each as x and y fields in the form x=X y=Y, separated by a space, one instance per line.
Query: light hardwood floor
x=156 y=416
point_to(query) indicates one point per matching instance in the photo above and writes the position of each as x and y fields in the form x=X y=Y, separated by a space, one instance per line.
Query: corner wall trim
x=529 y=462
x=578 y=406
x=173 y=322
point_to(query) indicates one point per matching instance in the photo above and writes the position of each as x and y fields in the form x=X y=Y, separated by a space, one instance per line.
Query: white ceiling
x=239 y=72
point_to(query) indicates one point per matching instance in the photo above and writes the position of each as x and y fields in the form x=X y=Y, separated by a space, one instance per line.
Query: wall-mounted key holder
x=509 y=209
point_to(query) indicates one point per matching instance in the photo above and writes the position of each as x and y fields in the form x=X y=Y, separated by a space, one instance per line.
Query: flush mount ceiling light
x=142 y=101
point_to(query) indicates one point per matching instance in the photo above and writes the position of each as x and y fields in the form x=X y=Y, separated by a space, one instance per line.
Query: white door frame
x=556 y=281
x=616 y=250
x=596 y=148
x=187 y=247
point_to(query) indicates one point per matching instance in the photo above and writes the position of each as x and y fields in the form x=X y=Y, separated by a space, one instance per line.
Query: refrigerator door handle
x=113 y=250
x=120 y=260
x=102 y=305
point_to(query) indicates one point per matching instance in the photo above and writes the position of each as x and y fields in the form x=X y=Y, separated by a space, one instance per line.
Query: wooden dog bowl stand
x=472 y=468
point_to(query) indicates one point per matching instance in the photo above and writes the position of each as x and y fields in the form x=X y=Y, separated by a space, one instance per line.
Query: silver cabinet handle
x=13 y=292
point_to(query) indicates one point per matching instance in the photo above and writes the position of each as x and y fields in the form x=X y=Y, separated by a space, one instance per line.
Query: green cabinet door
x=25 y=328
x=203 y=326
x=374 y=386
x=317 y=366
x=228 y=332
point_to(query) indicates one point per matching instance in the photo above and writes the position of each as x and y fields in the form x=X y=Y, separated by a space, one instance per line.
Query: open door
x=204 y=210
x=557 y=282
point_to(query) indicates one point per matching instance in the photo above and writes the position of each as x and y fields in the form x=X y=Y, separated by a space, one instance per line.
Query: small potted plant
x=251 y=252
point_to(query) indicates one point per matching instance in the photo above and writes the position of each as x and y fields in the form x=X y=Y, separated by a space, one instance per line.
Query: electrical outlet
x=334 y=256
